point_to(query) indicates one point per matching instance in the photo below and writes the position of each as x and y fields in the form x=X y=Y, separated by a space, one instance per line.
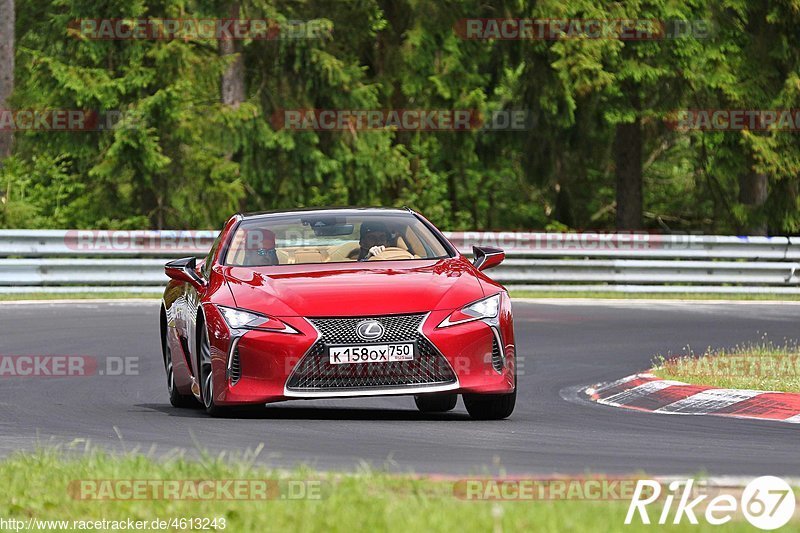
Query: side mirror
x=487 y=257
x=185 y=270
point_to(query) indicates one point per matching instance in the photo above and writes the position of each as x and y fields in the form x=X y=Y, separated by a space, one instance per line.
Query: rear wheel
x=206 y=375
x=436 y=403
x=175 y=398
x=490 y=406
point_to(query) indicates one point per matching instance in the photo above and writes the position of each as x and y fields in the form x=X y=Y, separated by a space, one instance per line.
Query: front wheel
x=207 y=376
x=490 y=406
x=436 y=403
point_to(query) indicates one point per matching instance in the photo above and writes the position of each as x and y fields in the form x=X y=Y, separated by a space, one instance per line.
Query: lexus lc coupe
x=337 y=303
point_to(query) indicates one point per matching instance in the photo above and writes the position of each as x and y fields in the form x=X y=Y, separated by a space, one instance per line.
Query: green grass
x=37 y=485
x=759 y=366
x=652 y=295
x=76 y=296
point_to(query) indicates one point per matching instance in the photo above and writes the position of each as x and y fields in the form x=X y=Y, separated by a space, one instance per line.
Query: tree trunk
x=6 y=69
x=628 y=159
x=753 y=194
x=563 y=211
x=233 y=77
x=232 y=90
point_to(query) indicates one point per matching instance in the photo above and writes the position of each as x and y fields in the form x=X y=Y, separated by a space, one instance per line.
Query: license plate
x=376 y=353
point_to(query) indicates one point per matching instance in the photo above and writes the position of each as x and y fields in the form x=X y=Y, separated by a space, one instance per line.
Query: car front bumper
x=255 y=367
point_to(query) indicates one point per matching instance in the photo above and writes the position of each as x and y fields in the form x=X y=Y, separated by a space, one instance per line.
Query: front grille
x=497 y=357
x=315 y=373
x=343 y=330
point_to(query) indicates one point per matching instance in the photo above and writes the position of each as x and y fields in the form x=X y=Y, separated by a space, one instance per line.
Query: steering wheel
x=391 y=253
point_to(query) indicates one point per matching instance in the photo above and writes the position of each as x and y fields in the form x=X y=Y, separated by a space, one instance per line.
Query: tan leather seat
x=342 y=252
x=308 y=256
x=283 y=257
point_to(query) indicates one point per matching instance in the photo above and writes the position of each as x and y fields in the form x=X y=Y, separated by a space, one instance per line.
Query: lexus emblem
x=369 y=330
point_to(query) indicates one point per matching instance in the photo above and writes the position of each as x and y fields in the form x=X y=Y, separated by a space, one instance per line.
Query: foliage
x=181 y=159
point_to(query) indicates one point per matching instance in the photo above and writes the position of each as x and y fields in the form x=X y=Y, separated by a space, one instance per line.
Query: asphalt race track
x=565 y=344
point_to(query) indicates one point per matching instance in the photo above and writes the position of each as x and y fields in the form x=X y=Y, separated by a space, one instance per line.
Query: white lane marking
x=637 y=392
x=708 y=401
x=728 y=482
x=793 y=419
x=86 y=301
x=605 y=386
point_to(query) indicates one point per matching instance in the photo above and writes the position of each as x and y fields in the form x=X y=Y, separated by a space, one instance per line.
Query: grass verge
x=759 y=366
x=40 y=486
x=77 y=296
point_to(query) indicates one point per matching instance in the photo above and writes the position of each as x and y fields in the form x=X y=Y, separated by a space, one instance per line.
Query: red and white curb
x=646 y=392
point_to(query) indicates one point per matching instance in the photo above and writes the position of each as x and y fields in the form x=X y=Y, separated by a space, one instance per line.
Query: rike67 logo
x=766 y=502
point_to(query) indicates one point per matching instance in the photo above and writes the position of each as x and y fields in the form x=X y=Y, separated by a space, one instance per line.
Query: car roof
x=324 y=210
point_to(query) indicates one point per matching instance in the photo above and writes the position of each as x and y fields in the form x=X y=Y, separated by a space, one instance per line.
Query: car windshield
x=331 y=237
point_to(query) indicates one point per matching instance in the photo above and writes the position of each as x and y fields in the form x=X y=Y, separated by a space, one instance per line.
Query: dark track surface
x=565 y=344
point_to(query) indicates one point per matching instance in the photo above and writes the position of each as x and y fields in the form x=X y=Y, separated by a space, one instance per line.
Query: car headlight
x=484 y=309
x=241 y=319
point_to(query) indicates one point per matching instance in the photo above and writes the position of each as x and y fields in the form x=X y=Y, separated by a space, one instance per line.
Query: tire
x=206 y=376
x=175 y=398
x=490 y=406
x=436 y=403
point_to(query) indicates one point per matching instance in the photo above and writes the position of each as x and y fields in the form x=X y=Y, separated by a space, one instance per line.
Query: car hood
x=355 y=289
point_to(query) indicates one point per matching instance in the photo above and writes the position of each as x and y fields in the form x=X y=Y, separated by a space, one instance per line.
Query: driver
x=374 y=238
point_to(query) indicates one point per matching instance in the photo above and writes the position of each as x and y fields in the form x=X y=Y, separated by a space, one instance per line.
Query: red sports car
x=333 y=303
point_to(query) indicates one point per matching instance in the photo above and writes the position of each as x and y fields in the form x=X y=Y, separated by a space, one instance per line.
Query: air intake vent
x=236 y=369
x=497 y=356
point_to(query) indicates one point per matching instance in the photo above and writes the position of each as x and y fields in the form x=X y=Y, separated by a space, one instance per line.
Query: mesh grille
x=497 y=357
x=343 y=330
x=314 y=372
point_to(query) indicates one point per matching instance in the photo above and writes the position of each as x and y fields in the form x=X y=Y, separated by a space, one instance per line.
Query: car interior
x=403 y=242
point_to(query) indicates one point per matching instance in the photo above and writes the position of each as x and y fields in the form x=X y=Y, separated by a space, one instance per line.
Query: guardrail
x=132 y=261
